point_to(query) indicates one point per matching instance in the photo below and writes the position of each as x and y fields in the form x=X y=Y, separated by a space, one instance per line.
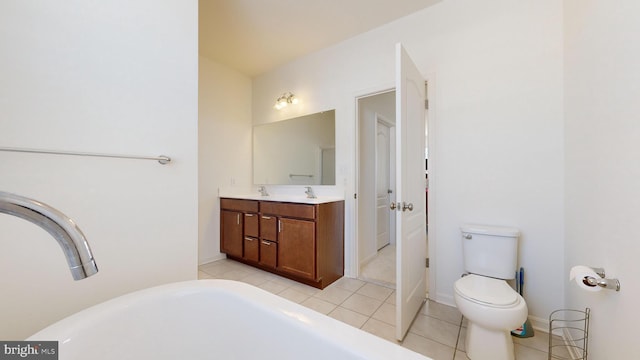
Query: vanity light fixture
x=284 y=100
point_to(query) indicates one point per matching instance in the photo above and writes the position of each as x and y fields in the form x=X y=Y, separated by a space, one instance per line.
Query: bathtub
x=211 y=319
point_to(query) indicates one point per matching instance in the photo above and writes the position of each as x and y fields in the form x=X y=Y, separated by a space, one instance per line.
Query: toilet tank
x=490 y=250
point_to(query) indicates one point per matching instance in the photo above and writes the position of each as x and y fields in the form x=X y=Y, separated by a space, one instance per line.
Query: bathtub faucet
x=61 y=227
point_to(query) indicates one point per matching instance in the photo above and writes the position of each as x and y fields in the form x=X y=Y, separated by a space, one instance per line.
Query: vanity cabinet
x=304 y=242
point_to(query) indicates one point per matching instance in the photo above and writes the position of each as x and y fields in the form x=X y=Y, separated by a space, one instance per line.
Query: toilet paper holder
x=603 y=282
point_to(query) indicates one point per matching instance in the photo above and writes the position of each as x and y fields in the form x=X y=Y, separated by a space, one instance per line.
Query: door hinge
x=427 y=263
x=355 y=196
x=426 y=104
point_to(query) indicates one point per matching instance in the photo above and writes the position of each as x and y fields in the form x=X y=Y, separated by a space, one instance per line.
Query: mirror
x=298 y=151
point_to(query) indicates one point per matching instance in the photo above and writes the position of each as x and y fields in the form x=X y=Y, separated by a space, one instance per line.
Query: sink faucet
x=61 y=227
x=263 y=190
x=309 y=192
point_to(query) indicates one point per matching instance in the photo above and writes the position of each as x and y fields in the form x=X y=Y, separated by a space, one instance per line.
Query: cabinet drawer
x=268 y=228
x=251 y=225
x=239 y=205
x=301 y=211
x=268 y=253
x=251 y=249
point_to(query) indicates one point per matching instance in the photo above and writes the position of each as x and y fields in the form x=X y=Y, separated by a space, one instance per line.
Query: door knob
x=406 y=206
x=392 y=206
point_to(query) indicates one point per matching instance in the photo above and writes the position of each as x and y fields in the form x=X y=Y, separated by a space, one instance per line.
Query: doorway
x=376 y=187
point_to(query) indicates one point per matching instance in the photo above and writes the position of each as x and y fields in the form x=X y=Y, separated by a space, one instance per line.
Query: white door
x=383 y=183
x=410 y=192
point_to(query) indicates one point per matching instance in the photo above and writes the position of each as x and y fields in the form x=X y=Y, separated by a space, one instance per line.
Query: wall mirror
x=298 y=151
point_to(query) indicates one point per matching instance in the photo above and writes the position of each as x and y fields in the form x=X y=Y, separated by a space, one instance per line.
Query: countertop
x=284 y=198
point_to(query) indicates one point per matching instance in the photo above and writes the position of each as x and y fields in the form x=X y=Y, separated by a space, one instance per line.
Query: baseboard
x=444 y=299
x=539 y=324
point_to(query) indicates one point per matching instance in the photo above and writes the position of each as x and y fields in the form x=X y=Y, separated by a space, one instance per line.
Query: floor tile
x=305 y=289
x=527 y=353
x=272 y=287
x=349 y=317
x=236 y=274
x=461 y=355
x=428 y=347
x=255 y=279
x=380 y=329
x=447 y=313
x=362 y=304
x=349 y=283
x=318 y=305
x=375 y=291
x=334 y=295
x=215 y=268
x=387 y=313
x=391 y=299
x=204 y=275
x=435 y=329
x=293 y=295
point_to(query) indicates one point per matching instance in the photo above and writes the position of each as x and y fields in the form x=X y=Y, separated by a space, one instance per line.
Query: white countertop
x=284 y=198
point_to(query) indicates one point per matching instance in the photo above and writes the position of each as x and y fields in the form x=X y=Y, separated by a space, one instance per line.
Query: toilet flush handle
x=468 y=236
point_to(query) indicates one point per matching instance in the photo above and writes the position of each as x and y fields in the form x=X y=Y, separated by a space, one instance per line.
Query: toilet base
x=486 y=344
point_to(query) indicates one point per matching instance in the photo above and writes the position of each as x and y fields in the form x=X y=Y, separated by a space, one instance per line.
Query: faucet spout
x=310 y=193
x=263 y=190
x=61 y=227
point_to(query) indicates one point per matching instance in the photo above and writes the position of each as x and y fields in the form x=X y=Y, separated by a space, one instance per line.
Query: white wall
x=602 y=80
x=224 y=138
x=108 y=77
x=496 y=117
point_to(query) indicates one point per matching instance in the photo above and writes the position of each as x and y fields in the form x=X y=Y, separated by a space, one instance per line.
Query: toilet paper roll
x=579 y=272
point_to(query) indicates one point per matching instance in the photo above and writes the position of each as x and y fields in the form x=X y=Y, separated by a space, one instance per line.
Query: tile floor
x=437 y=332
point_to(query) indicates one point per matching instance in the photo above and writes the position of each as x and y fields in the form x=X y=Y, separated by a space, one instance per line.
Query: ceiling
x=255 y=36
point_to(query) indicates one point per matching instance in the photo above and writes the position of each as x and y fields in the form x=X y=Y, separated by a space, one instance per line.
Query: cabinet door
x=268 y=228
x=251 y=249
x=297 y=247
x=231 y=233
x=268 y=253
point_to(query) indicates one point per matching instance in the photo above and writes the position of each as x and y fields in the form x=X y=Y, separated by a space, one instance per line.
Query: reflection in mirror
x=299 y=151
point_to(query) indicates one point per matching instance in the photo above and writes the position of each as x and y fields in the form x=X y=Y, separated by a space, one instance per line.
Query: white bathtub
x=211 y=319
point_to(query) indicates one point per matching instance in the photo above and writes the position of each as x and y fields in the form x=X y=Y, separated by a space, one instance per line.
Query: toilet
x=484 y=297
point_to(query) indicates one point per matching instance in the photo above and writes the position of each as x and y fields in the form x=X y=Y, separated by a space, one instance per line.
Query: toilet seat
x=487 y=291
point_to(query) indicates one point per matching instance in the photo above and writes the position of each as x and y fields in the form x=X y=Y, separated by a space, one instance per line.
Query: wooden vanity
x=301 y=241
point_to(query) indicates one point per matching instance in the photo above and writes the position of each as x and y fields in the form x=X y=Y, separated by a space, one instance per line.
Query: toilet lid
x=486 y=290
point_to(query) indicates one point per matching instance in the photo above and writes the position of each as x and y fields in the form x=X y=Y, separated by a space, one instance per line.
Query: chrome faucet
x=61 y=227
x=309 y=192
x=263 y=190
